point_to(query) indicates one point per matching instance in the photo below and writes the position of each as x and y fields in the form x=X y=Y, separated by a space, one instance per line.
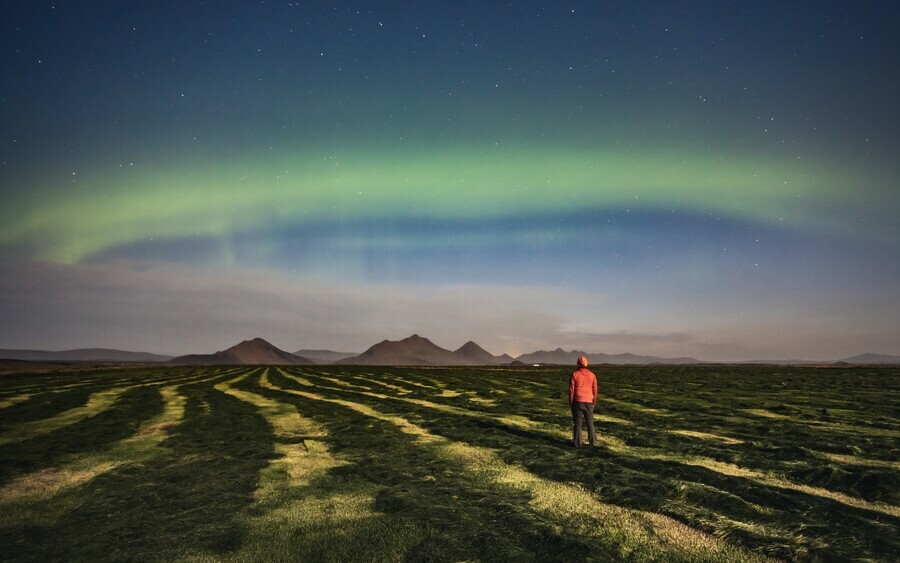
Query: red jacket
x=583 y=386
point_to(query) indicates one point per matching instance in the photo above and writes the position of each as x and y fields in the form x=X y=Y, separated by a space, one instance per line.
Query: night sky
x=712 y=179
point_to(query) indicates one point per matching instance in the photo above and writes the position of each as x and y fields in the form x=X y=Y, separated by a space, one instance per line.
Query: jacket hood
x=582 y=362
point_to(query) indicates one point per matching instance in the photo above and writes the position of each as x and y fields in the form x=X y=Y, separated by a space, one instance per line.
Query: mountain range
x=872 y=359
x=99 y=355
x=413 y=350
x=561 y=357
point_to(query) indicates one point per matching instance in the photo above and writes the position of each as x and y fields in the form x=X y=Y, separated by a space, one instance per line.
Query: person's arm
x=594 y=390
x=571 y=388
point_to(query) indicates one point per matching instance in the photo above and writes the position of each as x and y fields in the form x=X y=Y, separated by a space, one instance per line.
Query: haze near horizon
x=709 y=181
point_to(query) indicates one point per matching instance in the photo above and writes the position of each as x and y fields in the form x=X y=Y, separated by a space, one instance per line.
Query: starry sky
x=708 y=179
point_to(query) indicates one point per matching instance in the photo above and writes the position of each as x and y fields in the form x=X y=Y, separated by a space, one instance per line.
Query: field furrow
x=183 y=497
x=13 y=399
x=96 y=404
x=137 y=448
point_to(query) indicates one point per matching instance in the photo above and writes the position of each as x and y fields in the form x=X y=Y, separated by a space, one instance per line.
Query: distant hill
x=473 y=354
x=83 y=355
x=252 y=352
x=561 y=357
x=778 y=362
x=411 y=351
x=418 y=351
x=558 y=356
x=868 y=359
x=325 y=356
x=872 y=359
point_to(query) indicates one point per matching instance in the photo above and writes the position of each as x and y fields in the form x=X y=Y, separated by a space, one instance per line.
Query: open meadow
x=328 y=463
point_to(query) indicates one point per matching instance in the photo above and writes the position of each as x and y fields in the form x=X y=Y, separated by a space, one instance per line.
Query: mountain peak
x=412 y=350
x=418 y=350
x=255 y=351
x=413 y=338
x=470 y=348
x=253 y=342
x=472 y=354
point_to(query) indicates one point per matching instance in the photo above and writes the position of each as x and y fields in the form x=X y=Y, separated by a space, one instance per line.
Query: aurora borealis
x=702 y=179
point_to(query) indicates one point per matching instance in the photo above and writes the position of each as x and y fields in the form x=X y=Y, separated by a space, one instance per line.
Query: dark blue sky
x=699 y=178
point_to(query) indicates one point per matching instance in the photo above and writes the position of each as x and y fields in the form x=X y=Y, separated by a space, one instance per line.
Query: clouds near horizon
x=189 y=309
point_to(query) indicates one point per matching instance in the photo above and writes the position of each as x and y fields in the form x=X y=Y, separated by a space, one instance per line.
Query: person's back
x=583 y=399
x=583 y=386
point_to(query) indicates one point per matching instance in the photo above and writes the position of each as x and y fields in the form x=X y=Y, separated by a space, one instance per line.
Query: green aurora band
x=113 y=206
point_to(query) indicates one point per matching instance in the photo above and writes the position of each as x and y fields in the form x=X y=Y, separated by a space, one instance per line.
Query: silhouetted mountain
x=558 y=356
x=252 y=352
x=411 y=351
x=473 y=354
x=325 y=356
x=872 y=359
x=83 y=355
x=418 y=351
x=561 y=357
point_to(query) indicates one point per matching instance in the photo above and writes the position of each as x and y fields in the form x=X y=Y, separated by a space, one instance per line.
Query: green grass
x=86 y=431
x=712 y=463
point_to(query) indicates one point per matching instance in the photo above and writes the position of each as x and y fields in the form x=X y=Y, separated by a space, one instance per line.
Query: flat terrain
x=342 y=463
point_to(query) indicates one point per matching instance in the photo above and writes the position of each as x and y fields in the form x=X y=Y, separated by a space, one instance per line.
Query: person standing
x=583 y=399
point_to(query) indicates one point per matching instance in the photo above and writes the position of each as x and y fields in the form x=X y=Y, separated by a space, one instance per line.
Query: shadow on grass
x=91 y=434
x=459 y=517
x=44 y=405
x=761 y=517
x=176 y=503
x=656 y=485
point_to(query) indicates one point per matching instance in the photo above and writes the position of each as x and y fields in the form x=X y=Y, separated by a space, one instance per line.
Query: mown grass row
x=159 y=506
x=338 y=464
x=794 y=449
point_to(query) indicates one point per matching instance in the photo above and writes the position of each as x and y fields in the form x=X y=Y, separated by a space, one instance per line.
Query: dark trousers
x=583 y=411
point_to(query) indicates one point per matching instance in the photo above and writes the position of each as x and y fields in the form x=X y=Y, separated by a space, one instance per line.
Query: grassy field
x=695 y=463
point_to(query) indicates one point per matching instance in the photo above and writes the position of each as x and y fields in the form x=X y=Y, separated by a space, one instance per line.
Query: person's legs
x=576 y=424
x=589 y=417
